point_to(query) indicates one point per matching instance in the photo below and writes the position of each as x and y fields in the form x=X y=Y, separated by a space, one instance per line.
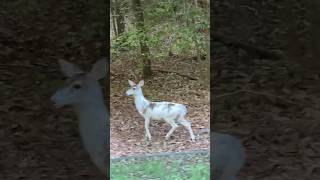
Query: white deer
x=84 y=93
x=172 y=113
x=228 y=156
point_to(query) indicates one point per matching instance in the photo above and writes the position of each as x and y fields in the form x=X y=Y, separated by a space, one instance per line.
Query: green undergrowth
x=160 y=168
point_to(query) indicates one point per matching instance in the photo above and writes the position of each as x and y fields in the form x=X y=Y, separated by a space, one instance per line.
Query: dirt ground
x=38 y=141
x=270 y=104
x=127 y=126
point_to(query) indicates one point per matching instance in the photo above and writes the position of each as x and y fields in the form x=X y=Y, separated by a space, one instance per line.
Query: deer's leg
x=173 y=127
x=187 y=125
x=146 y=126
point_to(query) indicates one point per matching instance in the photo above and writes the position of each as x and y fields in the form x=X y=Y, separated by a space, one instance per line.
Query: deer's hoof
x=148 y=143
x=165 y=143
x=148 y=139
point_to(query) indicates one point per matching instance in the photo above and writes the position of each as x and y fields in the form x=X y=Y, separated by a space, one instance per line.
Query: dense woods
x=154 y=30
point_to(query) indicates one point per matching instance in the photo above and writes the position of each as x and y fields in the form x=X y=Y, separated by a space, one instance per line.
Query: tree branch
x=246 y=46
x=180 y=74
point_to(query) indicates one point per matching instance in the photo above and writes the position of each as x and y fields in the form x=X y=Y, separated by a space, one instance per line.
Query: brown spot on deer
x=177 y=118
x=152 y=105
x=170 y=105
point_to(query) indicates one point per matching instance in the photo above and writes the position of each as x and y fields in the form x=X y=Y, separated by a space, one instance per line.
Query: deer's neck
x=140 y=101
x=92 y=114
x=91 y=108
x=93 y=124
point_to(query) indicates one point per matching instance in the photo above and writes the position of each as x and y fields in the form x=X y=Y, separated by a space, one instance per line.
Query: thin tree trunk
x=315 y=34
x=205 y=4
x=305 y=52
x=120 y=17
x=145 y=52
x=293 y=50
x=113 y=14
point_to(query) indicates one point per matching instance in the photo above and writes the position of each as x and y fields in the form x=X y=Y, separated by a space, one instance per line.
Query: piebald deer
x=228 y=156
x=172 y=113
x=84 y=93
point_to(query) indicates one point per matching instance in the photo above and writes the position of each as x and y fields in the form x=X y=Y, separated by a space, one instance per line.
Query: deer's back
x=166 y=110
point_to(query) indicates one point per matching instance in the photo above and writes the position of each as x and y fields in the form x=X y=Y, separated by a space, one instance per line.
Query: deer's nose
x=55 y=101
x=127 y=93
x=52 y=98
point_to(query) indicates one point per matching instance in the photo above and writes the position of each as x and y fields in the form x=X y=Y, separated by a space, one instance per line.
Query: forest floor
x=276 y=117
x=272 y=105
x=38 y=141
x=127 y=126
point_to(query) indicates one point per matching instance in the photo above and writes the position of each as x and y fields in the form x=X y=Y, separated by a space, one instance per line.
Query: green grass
x=160 y=169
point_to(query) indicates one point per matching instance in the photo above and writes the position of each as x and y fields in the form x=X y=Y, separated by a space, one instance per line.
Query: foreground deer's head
x=80 y=85
x=134 y=88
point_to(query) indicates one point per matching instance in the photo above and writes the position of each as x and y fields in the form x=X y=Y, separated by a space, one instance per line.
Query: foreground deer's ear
x=131 y=83
x=99 y=69
x=69 y=69
x=141 y=83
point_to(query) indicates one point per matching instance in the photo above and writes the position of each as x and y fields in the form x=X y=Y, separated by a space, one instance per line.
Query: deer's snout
x=129 y=93
x=56 y=101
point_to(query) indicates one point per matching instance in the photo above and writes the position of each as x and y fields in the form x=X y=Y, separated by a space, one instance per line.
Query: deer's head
x=80 y=85
x=134 y=88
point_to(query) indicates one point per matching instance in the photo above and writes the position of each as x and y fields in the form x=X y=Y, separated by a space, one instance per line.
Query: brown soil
x=37 y=140
x=271 y=105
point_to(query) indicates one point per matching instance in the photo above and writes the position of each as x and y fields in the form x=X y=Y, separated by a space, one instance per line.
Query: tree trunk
x=145 y=53
x=205 y=4
x=294 y=47
x=315 y=34
x=196 y=3
x=113 y=14
x=120 y=17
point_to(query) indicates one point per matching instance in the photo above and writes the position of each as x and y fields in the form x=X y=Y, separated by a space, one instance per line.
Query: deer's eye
x=77 y=86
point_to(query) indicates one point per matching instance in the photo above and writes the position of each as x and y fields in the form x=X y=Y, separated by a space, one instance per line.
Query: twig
x=246 y=46
x=17 y=65
x=260 y=93
x=34 y=66
x=203 y=131
x=183 y=75
x=227 y=94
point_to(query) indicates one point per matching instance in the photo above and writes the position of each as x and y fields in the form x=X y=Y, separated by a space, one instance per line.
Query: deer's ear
x=131 y=83
x=99 y=69
x=69 y=69
x=141 y=83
